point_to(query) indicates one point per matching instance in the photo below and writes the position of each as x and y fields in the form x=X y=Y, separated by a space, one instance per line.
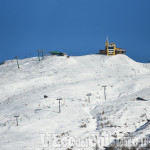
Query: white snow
x=22 y=92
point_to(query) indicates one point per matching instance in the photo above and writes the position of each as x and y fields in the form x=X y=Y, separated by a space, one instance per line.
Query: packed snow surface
x=83 y=119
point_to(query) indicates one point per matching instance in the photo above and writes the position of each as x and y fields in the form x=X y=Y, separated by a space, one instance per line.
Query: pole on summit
x=16 y=57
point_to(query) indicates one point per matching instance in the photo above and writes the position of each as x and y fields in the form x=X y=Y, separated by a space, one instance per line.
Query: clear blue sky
x=77 y=27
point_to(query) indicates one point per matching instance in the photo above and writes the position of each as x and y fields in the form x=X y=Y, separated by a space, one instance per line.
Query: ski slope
x=80 y=122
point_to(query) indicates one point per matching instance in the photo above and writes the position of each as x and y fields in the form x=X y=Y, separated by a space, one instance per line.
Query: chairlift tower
x=59 y=99
x=104 y=91
x=41 y=53
x=16 y=116
x=89 y=94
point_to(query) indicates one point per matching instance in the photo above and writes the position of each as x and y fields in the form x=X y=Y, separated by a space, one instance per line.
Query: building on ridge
x=111 y=49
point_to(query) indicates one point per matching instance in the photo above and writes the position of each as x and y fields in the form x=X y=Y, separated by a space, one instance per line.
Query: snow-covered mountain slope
x=22 y=93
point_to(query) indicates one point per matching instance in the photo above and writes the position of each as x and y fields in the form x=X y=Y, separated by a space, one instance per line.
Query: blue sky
x=77 y=27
